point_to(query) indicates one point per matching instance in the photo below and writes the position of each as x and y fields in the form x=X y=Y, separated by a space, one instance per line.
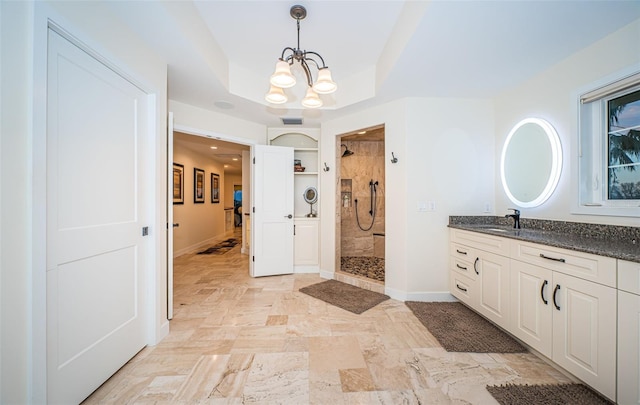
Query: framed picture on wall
x=198 y=185
x=215 y=188
x=178 y=183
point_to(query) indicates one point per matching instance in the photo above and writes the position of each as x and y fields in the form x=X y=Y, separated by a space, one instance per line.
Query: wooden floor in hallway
x=241 y=340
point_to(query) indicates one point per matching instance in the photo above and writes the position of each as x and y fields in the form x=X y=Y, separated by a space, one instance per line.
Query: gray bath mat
x=459 y=329
x=547 y=394
x=345 y=296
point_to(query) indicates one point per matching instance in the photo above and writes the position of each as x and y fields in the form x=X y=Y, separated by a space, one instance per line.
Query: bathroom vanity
x=573 y=298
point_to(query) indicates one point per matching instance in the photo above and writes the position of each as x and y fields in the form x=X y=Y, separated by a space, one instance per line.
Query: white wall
x=15 y=203
x=23 y=187
x=552 y=95
x=445 y=151
x=200 y=224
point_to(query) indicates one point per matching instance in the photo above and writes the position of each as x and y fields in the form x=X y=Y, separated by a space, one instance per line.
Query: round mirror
x=531 y=162
x=311 y=195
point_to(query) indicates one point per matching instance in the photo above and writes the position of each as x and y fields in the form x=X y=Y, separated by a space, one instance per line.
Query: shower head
x=346 y=152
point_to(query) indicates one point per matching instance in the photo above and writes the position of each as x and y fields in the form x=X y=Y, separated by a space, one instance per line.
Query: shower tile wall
x=365 y=164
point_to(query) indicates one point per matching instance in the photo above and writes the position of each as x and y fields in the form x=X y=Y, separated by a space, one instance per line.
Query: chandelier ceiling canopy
x=282 y=78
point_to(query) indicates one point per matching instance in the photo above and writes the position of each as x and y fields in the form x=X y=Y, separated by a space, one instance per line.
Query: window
x=609 y=147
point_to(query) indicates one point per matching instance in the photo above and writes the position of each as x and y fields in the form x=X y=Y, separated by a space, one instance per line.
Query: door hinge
x=253 y=258
x=145 y=230
x=254 y=210
x=254 y=161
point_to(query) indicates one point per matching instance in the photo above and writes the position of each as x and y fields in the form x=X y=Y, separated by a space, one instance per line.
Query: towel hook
x=325 y=168
x=394 y=159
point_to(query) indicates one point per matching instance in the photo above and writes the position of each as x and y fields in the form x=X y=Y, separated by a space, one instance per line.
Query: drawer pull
x=555 y=259
x=461 y=288
x=555 y=291
x=542 y=292
x=460 y=267
x=461 y=252
x=475 y=265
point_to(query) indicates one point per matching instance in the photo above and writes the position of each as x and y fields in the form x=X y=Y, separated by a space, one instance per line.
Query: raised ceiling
x=221 y=53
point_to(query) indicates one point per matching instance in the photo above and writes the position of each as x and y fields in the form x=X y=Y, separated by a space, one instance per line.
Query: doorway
x=361 y=202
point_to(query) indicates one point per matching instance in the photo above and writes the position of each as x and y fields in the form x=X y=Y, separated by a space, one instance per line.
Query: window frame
x=590 y=162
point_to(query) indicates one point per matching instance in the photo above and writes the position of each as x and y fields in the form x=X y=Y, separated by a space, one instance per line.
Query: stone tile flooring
x=365 y=266
x=241 y=340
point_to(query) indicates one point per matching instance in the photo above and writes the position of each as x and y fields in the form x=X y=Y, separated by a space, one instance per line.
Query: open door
x=170 y=224
x=272 y=214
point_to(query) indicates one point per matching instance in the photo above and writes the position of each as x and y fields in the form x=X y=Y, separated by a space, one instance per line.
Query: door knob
x=288 y=216
x=176 y=225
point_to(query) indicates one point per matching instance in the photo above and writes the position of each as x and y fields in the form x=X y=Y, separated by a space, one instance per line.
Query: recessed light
x=235 y=159
x=213 y=147
x=226 y=165
x=362 y=132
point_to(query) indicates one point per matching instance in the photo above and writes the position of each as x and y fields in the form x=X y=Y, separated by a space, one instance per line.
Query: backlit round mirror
x=531 y=162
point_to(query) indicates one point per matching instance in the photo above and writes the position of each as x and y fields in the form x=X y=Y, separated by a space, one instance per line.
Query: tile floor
x=241 y=340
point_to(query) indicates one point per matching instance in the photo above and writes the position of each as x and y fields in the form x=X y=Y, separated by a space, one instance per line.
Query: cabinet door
x=493 y=276
x=531 y=306
x=628 y=348
x=306 y=243
x=584 y=331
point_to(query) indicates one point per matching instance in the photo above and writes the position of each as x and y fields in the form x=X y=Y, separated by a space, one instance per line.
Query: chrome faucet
x=516 y=218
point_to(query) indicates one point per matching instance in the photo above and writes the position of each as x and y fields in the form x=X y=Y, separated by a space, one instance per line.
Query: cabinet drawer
x=488 y=243
x=598 y=269
x=463 y=266
x=463 y=288
x=629 y=277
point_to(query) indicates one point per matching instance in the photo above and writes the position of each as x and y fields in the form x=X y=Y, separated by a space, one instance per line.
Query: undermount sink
x=496 y=229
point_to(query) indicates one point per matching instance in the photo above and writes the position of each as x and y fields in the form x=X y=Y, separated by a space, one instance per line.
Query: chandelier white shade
x=276 y=95
x=283 y=79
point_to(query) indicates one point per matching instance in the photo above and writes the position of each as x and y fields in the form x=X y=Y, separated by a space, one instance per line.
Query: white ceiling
x=225 y=51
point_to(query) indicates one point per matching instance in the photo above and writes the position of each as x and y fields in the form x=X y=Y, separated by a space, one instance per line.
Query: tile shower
x=361 y=177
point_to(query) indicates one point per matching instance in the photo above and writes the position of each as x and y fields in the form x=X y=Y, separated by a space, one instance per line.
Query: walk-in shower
x=361 y=204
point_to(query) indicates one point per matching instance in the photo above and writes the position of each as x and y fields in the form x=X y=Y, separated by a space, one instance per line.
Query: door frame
x=226 y=138
x=45 y=18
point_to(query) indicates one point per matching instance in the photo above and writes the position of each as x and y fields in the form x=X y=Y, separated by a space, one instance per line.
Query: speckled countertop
x=620 y=242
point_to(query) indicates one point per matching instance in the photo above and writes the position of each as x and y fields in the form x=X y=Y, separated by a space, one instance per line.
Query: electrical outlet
x=487 y=207
x=431 y=205
x=422 y=206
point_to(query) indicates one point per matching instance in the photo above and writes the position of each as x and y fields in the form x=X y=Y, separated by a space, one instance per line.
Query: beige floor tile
x=241 y=340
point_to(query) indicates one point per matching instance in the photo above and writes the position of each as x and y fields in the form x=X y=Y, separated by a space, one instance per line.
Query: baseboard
x=305 y=269
x=327 y=275
x=419 y=296
x=190 y=249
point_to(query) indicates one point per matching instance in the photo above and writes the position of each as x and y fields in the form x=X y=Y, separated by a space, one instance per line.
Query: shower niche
x=304 y=170
x=346 y=191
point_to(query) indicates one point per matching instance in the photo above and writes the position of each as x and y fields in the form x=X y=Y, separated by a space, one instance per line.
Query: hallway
x=238 y=340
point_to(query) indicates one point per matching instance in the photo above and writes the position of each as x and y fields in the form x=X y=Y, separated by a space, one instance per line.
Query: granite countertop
x=620 y=242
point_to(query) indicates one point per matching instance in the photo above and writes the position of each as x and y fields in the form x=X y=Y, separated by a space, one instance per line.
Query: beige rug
x=345 y=296
x=547 y=394
x=459 y=329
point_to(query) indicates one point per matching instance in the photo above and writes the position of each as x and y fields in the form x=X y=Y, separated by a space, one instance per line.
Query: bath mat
x=547 y=394
x=220 y=248
x=345 y=296
x=459 y=329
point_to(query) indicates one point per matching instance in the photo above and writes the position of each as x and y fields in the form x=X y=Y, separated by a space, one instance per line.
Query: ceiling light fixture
x=283 y=79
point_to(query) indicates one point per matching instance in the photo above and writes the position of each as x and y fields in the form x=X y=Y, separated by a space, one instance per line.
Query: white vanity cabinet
x=560 y=302
x=481 y=267
x=628 y=332
x=564 y=306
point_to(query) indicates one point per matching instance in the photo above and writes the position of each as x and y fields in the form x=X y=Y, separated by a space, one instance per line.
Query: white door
x=97 y=160
x=170 y=224
x=273 y=211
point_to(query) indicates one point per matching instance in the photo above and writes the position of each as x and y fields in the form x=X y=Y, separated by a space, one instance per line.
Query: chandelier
x=283 y=79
